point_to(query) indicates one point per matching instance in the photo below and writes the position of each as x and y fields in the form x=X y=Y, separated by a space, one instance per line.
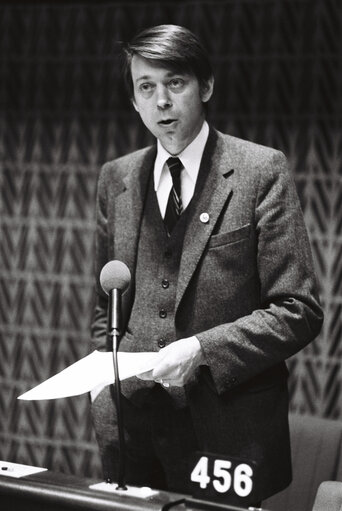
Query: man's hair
x=171 y=46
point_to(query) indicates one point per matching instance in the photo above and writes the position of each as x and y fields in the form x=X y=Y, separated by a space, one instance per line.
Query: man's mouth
x=167 y=122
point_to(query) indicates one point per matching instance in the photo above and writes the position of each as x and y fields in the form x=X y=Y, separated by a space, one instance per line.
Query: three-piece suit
x=242 y=281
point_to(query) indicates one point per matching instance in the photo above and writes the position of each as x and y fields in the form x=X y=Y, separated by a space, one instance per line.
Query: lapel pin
x=204 y=217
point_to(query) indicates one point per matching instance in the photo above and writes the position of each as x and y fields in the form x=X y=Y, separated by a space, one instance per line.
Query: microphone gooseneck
x=115 y=278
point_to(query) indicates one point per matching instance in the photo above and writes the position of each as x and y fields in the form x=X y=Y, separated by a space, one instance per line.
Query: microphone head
x=115 y=275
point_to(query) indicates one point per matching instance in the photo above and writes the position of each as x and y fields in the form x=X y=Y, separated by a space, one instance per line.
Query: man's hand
x=176 y=363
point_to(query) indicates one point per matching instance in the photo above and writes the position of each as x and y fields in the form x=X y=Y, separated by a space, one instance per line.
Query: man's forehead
x=143 y=68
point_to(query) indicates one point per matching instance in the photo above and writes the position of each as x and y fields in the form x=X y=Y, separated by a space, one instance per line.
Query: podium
x=52 y=491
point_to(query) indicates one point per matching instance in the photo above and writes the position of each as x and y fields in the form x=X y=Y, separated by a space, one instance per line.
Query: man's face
x=170 y=103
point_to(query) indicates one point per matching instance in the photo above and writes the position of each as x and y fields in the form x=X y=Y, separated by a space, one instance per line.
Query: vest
x=152 y=320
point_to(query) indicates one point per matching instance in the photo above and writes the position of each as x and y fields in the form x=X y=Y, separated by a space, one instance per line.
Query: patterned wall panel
x=64 y=111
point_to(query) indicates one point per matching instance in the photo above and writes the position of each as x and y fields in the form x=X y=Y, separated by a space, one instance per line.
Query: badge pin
x=204 y=217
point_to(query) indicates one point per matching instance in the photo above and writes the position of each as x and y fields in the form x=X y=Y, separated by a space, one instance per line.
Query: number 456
x=223 y=479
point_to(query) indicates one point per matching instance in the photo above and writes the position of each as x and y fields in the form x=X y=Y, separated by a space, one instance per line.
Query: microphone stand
x=114 y=315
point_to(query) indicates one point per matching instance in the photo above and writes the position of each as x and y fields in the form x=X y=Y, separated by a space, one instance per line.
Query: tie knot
x=175 y=167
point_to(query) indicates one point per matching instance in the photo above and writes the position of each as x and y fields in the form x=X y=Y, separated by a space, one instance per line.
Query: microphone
x=115 y=278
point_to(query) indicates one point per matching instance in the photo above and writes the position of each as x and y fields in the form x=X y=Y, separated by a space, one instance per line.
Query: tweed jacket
x=246 y=289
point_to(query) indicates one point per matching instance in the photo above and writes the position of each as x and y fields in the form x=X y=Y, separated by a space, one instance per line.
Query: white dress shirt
x=191 y=158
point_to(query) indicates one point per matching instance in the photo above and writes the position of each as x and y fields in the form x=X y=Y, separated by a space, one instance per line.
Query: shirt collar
x=190 y=156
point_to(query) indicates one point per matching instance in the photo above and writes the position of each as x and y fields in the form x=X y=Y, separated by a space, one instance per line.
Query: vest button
x=161 y=343
x=165 y=283
x=162 y=313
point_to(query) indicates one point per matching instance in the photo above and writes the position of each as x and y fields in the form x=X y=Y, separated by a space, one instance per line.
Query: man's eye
x=176 y=83
x=145 y=87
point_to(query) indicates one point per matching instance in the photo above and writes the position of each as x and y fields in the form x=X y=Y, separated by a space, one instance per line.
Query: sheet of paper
x=90 y=372
x=143 y=492
x=16 y=470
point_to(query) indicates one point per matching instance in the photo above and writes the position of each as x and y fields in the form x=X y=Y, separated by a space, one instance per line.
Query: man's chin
x=172 y=146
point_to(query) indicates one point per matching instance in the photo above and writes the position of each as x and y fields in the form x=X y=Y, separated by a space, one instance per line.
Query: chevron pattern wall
x=64 y=112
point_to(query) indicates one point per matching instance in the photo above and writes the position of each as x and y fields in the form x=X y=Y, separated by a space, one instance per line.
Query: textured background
x=64 y=112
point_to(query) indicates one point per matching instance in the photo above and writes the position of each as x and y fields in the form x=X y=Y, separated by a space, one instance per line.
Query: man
x=222 y=280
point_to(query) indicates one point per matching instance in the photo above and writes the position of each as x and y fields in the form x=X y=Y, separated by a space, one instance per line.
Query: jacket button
x=161 y=343
x=165 y=283
x=162 y=313
x=168 y=254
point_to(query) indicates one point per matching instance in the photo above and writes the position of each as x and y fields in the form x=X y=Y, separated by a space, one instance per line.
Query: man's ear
x=134 y=104
x=207 y=89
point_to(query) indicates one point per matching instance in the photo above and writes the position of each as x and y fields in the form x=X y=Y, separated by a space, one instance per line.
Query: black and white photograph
x=171 y=255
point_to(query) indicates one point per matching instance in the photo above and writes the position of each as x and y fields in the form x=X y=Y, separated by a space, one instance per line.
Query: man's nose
x=163 y=98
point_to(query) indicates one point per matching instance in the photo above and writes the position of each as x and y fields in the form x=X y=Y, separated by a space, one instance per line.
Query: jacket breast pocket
x=227 y=238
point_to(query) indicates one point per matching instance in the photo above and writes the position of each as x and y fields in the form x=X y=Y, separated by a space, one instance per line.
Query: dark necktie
x=174 y=205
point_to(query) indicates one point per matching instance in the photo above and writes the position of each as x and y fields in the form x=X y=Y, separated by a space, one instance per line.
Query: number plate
x=221 y=479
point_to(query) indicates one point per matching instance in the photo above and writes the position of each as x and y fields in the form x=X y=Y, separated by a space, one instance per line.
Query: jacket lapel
x=129 y=207
x=215 y=193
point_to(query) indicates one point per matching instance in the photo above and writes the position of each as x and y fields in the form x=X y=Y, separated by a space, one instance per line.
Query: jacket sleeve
x=289 y=316
x=102 y=255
